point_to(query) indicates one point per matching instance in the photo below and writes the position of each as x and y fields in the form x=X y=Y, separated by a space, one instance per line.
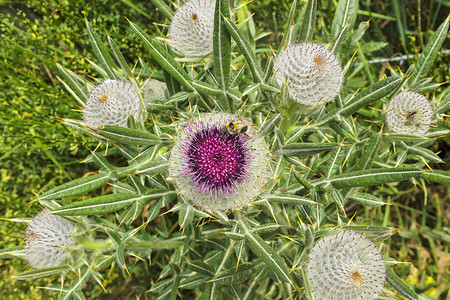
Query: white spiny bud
x=191 y=30
x=110 y=103
x=345 y=265
x=154 y=90
x=311 y=73
x=409 y=113
x=47 y=240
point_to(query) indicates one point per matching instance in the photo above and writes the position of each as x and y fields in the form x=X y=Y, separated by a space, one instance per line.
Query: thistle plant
x=218 y=187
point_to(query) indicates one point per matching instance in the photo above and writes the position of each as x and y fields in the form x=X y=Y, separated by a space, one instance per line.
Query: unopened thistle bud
x=191 y=30
x=154 y=90
x=219 y=162
x=409 y=113
x=47 y=240
x=345 y=265
x=311 y=74
x=110 y=103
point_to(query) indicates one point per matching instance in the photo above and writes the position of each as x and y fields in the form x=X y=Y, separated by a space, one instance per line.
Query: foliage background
x=37 y=152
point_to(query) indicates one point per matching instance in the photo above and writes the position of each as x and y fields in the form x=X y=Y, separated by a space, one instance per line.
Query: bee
x=236 y=127
x=30 y=236
x=103 y=98
x=410 y=117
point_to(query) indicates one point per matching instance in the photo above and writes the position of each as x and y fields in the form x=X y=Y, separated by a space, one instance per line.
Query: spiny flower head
x=110 y=103
x=219 y=162
x=47 y=239
x=311 y=73
x=409 y=113
x=191 y=30
x=345 y=265
x=154 y=90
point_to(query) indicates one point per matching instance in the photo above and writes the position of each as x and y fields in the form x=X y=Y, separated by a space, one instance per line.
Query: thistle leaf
x=309 y=20
x=164 y=59
x=372 y=177
x=371 y=94
x=222 y=46
x=345 y=13
x=76 y=187
x=246 y=50
x=106 y=203
x=101 y=52
x=131 y=136
x=426 y=59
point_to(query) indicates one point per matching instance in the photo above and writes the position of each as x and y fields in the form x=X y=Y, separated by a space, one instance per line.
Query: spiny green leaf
x=101 y=52
x=153 y=167
x=193 y=282
x=267 y=254
x=246 y=50
x=309 y=20
x=222 y=46
x=131 y=136
x=335 y=161
x=345 y=12
x=201 y=267
x=425 y=153
x=371 y=94
x=74 y=84
x=426 y=59
x=366 y=199
x=106 y=203
x=401 y=286
x=266 y=228
x=369 y=153
x=166 y=61
x=18 y=251
x=289 y=30
x=372 y=177
x=164 y=8
x=237 y=275
x=76 y=187
x=186 y=215
x=438 y=176
x=41 y=273
x=287 y=199
x=306 y=149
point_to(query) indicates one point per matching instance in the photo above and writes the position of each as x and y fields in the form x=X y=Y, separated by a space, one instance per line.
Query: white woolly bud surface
x=409 y=113
x=154 y=90
x=110 y=103
x=191 y=30
x=47 y=239
x=345 y=265
x=219 y=162
x=311 y=73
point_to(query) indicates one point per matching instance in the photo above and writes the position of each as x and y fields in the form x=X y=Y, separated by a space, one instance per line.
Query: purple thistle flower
x=47 y=239
x=346 y=265
x=219 y=162
x=409 y=113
